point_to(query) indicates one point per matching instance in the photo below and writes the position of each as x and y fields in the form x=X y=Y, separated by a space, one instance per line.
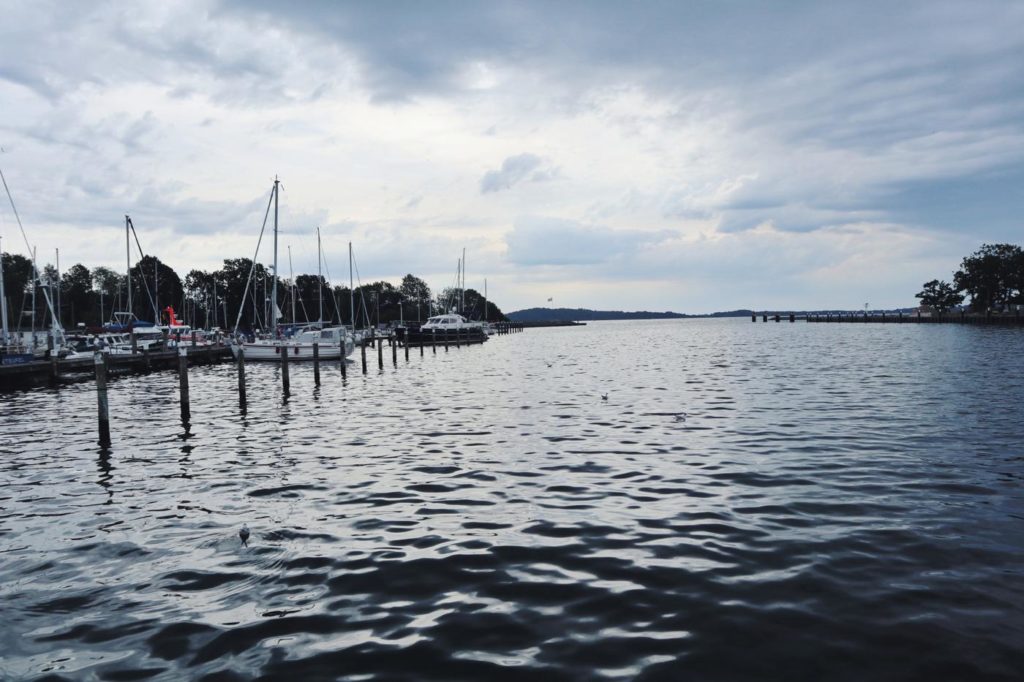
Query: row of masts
x=154 y=297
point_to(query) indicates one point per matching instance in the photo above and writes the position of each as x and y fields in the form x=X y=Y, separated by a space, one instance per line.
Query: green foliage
x=76 y=295
x=17 y=274
x=940 y=295
x=993 y=276
x=194 y=302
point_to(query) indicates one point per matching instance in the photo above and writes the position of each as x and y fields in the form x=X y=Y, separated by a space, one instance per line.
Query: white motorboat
x=334 y=343
x=449 y=322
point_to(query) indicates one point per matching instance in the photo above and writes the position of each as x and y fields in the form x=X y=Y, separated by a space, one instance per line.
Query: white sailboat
x=333 y=343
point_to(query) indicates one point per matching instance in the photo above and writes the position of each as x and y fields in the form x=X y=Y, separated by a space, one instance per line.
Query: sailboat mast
x=3 y=300
x=35 y=285
x=156 y=290
x=273 y=295
x=462 y=286
x=57 y=284
x=485 y=301
x=291 y=275
x=351 y=290
x=128 y=260
x=319 y=278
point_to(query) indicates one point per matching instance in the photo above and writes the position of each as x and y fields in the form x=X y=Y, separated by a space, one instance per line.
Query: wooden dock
x=1014 y=319
x=54 y=370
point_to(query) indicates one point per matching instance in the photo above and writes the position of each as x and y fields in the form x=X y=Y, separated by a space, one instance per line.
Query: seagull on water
x=604 y=396
x=244 y=535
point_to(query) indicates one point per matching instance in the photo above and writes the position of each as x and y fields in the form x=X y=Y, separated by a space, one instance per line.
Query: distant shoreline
x=554 y=317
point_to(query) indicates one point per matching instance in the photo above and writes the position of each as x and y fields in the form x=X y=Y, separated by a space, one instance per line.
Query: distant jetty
x=550 y=316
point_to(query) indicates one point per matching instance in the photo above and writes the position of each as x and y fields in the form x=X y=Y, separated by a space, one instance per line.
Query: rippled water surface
x=751 y=501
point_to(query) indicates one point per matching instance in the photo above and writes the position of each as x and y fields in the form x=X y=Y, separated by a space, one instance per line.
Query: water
x=769 y=501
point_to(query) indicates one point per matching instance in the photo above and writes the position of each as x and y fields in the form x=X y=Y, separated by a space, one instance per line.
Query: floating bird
x=604 y=396
x=244 y=535
x=681 y=417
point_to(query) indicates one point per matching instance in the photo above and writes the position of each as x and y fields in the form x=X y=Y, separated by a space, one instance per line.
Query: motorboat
x=334 y=343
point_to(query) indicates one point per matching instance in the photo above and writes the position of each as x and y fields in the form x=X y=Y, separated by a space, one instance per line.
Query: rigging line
x=142 y=276
x=35 y=269
x=362 y=293
x=331 y=289
x=252 y=269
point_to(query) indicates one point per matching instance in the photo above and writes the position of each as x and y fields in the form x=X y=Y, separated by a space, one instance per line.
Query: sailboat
x=333 y=342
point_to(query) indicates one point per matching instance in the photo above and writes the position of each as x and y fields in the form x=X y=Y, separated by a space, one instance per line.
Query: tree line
x=993 y=276
x=219 y=298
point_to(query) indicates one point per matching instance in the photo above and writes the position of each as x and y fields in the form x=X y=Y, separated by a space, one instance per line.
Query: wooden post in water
x=433 y=340
x=764 y=318
x=183 y=382
x=792 y=317
x=445 y=340
x=421 y=349
x=344 y=363
x=316 y=363
x=362 y=349
x=193 y=338
x=103 y=407
x=286 y=382
x=167 y=335
x=407 y=349
x=52 y=352
x=380 y=354
x=241 y=376
x=394 y=352
x=135 y=343
x=753 y=317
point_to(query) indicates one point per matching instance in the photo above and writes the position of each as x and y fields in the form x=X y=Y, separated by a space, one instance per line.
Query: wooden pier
x=54 y=370
x=1014 y=319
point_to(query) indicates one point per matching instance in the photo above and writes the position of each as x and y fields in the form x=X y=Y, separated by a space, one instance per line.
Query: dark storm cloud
x=872 y=79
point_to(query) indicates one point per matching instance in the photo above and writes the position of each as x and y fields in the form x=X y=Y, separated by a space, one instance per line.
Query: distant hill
x=585 y=315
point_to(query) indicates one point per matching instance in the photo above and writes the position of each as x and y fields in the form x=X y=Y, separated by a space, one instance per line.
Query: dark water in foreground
x=768 y=501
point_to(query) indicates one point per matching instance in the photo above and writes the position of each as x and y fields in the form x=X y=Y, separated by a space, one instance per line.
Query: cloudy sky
x=683 y=155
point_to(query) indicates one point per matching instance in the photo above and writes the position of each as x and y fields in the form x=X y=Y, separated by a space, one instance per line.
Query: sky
x=684 y=155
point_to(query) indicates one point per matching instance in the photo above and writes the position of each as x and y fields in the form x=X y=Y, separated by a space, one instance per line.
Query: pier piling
x=286 y=383
x=344 y=368
x=362 y=349
x=103 y=407
x=433 y=340
x=394 y=351
x=316 y=363
x=241 y=376
x=183 y=382
x=380 y=354
x=406 y=349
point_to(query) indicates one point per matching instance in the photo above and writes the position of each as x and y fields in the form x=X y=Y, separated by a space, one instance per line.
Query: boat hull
x=271 y=352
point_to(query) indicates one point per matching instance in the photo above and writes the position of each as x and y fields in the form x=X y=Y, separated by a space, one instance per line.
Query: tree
x=76 y=294
x=154 y=285
x=17 y=273
x=939 y=295
x=108 y=285
x=414 y=290
x=992 y=276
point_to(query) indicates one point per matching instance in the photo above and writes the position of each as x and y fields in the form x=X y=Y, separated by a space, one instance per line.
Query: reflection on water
x=751 y=501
